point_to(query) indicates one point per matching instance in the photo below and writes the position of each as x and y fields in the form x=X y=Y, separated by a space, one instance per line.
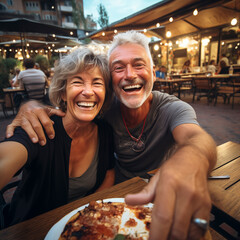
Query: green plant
x=4 y=76
x=10 y=64
x=43 y=62
x=52 y=60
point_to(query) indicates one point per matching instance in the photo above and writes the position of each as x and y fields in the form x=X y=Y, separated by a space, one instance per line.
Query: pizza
x=109 y=220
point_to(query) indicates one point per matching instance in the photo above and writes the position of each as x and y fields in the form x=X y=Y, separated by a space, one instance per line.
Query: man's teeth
x=86 y=104
x=132 y=86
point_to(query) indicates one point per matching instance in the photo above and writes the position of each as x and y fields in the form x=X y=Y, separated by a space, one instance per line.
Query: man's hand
x=179 y=189
x=33 y=117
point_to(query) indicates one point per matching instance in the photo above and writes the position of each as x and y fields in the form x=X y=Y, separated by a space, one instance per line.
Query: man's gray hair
x=131 y=37
x=78 y=61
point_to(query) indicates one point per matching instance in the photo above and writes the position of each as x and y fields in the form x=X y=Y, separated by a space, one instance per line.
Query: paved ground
x=220 y=121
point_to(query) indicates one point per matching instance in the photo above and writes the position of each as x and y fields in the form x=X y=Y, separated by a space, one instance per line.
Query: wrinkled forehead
x=127 y=52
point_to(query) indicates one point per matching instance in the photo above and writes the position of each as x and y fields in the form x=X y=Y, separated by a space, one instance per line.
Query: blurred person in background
x=225 y=59
x=186 y=67
x=223 y=68
x=14 y=82
x=212 y=67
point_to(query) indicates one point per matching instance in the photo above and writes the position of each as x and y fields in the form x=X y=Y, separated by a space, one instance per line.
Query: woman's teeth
x=86 y=104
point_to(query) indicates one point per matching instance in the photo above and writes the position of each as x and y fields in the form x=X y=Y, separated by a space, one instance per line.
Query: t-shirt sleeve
x=21 y=137
x=181 y=113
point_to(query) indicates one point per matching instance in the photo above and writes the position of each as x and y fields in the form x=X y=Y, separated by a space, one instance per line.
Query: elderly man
x=147 y=126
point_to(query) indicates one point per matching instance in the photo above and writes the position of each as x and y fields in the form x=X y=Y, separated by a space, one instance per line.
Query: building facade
x=57 y=12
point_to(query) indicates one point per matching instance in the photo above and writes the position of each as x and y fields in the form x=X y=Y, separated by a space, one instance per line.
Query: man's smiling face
x=132 y=74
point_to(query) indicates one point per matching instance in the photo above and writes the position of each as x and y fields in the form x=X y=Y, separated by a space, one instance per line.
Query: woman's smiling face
x=85 y=95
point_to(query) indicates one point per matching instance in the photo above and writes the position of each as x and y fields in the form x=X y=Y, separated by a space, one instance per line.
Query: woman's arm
x=13 y=156
x=108 y=180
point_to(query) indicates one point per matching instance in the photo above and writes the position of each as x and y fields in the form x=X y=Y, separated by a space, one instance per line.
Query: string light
x=115 y=31
x=158 y=25
x=103 y=33
x=156 y=47
x=171 y=19
x=234 y=21
x=168 y=34
x=195 y=12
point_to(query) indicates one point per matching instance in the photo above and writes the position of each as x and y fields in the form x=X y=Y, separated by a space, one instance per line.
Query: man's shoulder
x=167 y=102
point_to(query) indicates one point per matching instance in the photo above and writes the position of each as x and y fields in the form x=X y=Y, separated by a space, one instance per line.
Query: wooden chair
x=227 y=88
x=159 y=86
x=35 y=90
x=2 y=102
x=204 y=87
x=5 y=201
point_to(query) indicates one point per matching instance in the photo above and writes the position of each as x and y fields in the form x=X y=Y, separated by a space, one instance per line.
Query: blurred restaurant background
x=195 y=30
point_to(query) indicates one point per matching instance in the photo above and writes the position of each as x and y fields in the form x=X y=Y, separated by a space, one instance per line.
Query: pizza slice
x=108 y=220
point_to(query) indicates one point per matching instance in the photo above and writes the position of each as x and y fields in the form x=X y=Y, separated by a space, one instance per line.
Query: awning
x=211 y=14
x=23 y=25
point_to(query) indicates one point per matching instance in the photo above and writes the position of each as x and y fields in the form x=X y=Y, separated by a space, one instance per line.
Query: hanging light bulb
x=234 y=21
x=168 y=34
x=156 y=47
x=158 y=25
x=195 y=12
x=170 y=19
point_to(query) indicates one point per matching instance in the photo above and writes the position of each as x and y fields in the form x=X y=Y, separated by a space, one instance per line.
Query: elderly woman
x=79 y=160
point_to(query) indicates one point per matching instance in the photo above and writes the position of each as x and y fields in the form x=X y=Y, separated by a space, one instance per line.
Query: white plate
x=56 y=230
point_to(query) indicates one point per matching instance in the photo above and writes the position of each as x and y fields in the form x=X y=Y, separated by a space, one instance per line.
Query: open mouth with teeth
x=131 y=88
x=86 y=104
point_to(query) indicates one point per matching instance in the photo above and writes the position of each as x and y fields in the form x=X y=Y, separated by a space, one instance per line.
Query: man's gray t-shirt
x=166 y=113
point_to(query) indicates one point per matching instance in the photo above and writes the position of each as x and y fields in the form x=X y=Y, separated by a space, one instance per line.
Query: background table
x=10 y=91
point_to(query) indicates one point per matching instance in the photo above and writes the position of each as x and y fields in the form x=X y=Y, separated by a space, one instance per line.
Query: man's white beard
x=133 y=104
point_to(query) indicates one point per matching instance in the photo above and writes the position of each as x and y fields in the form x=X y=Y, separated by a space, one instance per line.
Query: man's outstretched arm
x=179 y=189
x=33 y=117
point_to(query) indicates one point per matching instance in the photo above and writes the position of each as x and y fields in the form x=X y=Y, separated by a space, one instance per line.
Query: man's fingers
x=46 y=122
x=30 y=123
x=52 y=111
x=163 y=211
x=11 y=127
x=195 y=231
x=146 y=195
x=26 y=125
x=10 y=130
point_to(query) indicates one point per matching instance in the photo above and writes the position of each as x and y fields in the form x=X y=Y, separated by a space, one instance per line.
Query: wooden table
x=10 y=91
x=225 y=193
x=177 y=81
x=225 y=199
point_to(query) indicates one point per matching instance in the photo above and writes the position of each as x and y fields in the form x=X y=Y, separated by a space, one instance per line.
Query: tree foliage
x=103 y=16
x=78 y=15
